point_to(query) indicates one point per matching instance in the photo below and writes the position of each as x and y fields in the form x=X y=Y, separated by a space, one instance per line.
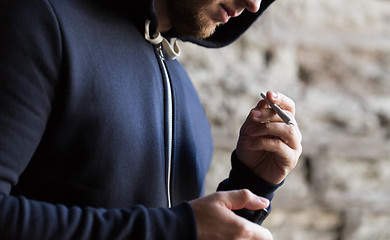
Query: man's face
x=199 y=18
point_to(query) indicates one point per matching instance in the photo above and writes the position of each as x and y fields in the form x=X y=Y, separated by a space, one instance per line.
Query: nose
x=252 y=5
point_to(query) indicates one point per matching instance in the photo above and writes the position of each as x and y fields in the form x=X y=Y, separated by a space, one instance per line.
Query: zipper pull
x=160 y=51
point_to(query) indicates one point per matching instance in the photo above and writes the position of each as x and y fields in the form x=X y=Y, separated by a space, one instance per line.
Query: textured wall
x=333 y=58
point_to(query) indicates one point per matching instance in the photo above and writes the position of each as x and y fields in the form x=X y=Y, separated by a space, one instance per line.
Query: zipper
x=170 y=122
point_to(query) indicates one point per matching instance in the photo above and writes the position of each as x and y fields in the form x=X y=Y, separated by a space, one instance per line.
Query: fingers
x=264 y=122
x=215 y=219
x=278 y=138
x=267 y=115
x=273 y=131
x=254 y=231
x=264 y=233
x=282 y=101
x=239 y=199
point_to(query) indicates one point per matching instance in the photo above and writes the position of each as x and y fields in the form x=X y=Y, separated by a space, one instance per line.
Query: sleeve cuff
x=186 y=228
x=241 y=177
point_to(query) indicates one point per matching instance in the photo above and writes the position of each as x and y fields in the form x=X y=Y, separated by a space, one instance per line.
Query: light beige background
x=333 y=58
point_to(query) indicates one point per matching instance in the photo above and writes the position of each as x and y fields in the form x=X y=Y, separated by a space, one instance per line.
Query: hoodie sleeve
x=28 y=77
x=241 y=177
x=30 y=68
x=21 y=218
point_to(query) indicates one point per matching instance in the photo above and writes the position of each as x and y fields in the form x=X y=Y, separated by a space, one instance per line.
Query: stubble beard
x=189 y=18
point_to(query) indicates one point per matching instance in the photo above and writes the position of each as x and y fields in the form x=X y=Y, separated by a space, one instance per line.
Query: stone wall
x=333 y=58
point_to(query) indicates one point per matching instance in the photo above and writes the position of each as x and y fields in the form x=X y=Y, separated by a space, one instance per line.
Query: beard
x=189 y=18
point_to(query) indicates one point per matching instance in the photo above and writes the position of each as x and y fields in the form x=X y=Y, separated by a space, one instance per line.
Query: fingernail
x=274 y=94
x=264 y=200
x=256 y=113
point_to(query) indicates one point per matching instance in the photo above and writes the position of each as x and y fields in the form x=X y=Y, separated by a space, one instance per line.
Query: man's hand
x=216 y=221
x=268 y=146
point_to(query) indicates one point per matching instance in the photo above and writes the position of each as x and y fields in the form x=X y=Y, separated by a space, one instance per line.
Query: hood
x=142 y=10
x=232 y=30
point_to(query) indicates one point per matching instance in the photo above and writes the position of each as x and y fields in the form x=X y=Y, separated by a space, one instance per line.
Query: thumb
x=244 y=198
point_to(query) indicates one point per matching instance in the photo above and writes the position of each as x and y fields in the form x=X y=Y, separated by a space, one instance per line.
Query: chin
x=205 y=32
x=200 y=27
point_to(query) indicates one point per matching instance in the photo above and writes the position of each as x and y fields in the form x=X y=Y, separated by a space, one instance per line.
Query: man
x=102 y=135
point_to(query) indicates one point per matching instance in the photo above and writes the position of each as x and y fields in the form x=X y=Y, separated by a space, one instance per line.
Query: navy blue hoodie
x=100 y=135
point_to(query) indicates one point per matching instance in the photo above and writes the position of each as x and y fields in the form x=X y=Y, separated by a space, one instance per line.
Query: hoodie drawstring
x=172 y=51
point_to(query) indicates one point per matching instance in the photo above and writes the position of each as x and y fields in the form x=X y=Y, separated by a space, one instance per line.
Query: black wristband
x=257 y=216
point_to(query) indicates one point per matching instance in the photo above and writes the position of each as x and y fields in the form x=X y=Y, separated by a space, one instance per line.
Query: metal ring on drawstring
x=172 y=52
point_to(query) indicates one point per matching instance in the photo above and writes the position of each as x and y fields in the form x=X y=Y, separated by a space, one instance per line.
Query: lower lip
x=224 y=15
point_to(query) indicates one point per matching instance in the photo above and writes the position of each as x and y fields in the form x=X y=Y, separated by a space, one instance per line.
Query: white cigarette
x=282 y=114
